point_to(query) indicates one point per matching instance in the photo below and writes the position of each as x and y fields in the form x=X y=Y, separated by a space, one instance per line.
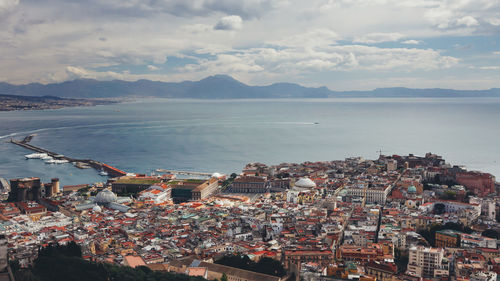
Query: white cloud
x=494 y=21
x=467 y=21
x=379 y=37
x=8 y=4
x=494 y=67
x=229 y=23
x=152 y=67
x=411 y=42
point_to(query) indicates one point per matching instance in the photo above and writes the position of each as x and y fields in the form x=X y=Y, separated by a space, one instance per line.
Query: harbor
x=51 y=157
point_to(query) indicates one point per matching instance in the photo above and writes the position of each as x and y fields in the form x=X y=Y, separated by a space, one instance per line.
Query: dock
x=99 y=166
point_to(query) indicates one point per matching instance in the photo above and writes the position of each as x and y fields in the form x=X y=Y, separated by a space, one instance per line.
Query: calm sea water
x=224 y=135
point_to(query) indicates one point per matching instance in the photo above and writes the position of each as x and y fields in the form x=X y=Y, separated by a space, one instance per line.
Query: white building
x=423 y=261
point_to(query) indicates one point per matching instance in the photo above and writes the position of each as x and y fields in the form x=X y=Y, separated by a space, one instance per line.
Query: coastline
x=25 y=103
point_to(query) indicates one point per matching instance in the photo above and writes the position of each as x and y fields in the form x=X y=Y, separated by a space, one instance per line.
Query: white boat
x=62 y=161
x=51 y=161
x=103 y=173
x=35 y=155
x=47 y=157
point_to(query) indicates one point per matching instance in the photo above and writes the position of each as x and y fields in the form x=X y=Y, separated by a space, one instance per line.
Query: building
x=31 y=208
x=206 y=189
x=133 y=261
x=323 y=257
x=447 y=239
x=249 y=184
x=423 y=261
x=32 y=189
x=482 y=184
x=194 y=189
x=133 y=184
x=105 y=198
x=483 y=276
x=213 y=271
x=156 y=194
x=374 y=194
x=383 y=271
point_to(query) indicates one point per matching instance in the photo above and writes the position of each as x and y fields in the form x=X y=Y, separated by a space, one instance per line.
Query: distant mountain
x=215 y=87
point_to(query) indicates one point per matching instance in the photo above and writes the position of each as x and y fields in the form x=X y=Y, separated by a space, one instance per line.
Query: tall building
x=423 y=261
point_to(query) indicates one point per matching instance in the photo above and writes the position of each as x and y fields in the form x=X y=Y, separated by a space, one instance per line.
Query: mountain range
x=216 y=87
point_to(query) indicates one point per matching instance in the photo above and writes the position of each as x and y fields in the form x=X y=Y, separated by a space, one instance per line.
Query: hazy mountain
x=215 y=87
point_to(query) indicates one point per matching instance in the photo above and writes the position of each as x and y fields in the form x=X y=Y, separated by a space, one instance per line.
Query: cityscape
x=392 y=218
x=249 y=140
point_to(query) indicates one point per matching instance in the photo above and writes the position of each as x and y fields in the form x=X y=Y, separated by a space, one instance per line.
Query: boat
x=51 y=161
x=48 y=157
x=103 y=173
x=35 y=155
x=62 y=161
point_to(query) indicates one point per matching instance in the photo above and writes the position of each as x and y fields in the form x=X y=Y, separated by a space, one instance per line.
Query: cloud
x=152 y=67
x=8 y=4
x=74 y=72
x=229 y=23
x=310 y=39
x=380 y=37
x=189 y=8
x=493 y=67
x=411 y=42
x=467 y=21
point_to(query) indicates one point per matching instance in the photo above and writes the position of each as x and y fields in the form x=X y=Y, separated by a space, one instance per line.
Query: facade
x=377 y=195
x=482 y=184
x=382 y=271
x=249 y=184
x=323 y=257
x=447 y=239
x=206 y=189
x=423 y=261
x=194 y=189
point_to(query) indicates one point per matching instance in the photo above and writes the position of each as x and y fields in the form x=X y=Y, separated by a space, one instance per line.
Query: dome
x=96 y=208
x=217 y=175
x=105 y=196
x=305 y=183
x=412 y=189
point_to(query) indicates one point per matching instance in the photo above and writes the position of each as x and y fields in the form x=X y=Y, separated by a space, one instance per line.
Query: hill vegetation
x=63 y=263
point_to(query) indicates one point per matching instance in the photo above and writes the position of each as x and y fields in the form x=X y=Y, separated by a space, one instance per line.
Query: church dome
x=105 y=196
x=412 y=189
x=305 y=183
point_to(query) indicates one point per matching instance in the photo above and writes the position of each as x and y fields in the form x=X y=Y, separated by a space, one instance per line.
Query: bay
x=224 y=135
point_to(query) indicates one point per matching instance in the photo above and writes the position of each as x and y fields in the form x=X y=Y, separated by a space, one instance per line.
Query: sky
x=341 y=44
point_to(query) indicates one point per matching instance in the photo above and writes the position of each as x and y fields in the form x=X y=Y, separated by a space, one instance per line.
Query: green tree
x=224 y=277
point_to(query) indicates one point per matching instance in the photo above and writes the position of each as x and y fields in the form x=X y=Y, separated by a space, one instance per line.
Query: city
x=392 y=218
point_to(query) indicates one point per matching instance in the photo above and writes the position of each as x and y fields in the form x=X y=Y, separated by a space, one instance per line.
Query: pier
x=112 y=171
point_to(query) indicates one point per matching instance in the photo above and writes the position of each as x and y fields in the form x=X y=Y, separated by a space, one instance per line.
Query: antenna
x=380 y=152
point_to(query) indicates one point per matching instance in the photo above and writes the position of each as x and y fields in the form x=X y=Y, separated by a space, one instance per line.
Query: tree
x=491 y=233
x=439 y=208
x=224 y=277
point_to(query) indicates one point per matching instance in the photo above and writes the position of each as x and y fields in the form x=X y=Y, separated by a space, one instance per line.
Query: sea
x=224 y=135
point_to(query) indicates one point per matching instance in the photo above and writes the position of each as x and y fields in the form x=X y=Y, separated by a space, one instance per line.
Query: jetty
x=79 y=163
